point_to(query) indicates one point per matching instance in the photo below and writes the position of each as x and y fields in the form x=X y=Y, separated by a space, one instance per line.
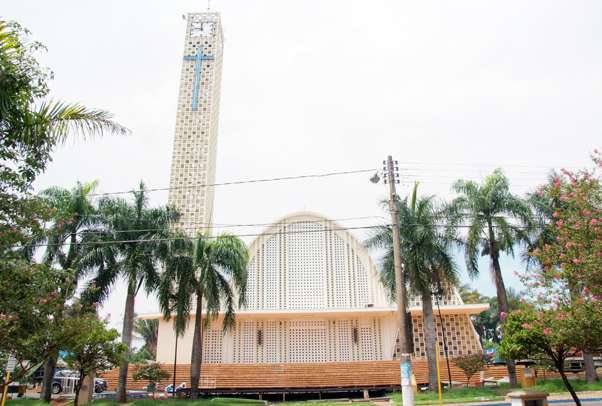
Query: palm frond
x=61 y=119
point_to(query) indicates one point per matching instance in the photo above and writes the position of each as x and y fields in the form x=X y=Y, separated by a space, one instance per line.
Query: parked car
x=62 y=376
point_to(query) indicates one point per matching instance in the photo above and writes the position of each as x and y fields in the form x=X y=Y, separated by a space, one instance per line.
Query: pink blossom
x=503 y=315
x=593 y=222
x=576 y=261
x=527 y=326
x=547 y=331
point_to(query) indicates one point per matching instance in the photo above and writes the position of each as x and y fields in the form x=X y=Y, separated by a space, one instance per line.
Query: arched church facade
x=314 y=295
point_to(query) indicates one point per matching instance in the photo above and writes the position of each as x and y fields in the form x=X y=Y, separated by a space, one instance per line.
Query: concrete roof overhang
x=368 y=311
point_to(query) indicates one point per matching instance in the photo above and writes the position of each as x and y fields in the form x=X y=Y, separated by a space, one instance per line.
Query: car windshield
x=64 y=373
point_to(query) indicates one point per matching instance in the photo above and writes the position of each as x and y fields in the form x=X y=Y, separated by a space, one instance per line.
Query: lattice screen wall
x=307 y=341
x=303 y=264
x=459 y=332
x=213 y=346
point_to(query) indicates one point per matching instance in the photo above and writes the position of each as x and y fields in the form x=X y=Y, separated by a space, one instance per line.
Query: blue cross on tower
x=198 y=65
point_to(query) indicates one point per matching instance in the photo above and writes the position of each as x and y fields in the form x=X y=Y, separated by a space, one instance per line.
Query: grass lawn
x=461 y=395
x=556 y=385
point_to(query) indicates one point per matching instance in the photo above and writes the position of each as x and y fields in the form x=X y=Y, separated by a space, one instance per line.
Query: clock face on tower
x=201 y=28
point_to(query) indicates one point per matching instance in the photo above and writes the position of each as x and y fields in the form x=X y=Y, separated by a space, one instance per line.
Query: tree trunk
x=126 y=338
x=567 y=383
x=152 y=348
x=502 y=298
x=49 y=367
x=590 y=369
x=77 y=388
x=430 y=337
x=197 y=348
x=502 y=301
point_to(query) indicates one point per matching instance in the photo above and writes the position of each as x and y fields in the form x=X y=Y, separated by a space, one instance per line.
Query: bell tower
x=195 y=140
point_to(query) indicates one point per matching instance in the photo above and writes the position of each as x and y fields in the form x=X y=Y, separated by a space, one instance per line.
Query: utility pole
x=405 y=362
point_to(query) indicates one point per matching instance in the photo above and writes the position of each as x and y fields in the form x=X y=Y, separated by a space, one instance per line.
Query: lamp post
x=405 y=362
x=175 y=360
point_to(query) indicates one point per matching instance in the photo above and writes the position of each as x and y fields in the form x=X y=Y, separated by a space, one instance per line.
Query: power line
x=482 y=165
x=241 y=182
x=210 y=237
x=202 y=225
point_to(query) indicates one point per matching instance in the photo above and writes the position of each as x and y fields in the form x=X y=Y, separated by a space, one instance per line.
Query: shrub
x=152 y=373
x=470 y=364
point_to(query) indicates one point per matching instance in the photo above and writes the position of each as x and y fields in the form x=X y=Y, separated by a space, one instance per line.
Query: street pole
x=405 y=362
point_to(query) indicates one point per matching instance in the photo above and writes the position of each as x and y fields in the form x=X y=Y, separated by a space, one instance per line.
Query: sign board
x=11 y=363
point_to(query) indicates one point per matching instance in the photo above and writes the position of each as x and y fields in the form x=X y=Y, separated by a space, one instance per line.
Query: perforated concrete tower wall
x=195 y=140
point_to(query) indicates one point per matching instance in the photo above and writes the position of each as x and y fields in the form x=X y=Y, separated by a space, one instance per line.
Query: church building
x=314 y=296
x=314 y=299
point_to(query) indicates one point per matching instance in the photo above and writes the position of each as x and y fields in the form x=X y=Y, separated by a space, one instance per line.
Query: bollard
x=528 y=378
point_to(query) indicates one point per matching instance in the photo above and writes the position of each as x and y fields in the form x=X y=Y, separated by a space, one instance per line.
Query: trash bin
x=524 y=398
x=528 y=378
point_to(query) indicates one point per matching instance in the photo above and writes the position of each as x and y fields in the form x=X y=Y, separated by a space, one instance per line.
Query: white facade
x=313 y=295
x=195 y=140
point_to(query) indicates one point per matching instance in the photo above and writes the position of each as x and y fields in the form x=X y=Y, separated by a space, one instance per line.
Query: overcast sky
x=450 y=89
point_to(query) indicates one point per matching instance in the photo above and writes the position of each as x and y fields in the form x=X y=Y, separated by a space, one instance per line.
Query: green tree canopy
x=91 y=347
x=554 y=334
x=30 y=127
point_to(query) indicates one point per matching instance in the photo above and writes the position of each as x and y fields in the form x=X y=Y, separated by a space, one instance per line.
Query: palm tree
x=206 y=274
x=127 y=247
x=148 y=330
x=74 y=214
x=494 y=215
x=425 y=253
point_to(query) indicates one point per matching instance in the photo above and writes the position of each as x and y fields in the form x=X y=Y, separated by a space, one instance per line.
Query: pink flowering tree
x=562 y=313
x=572 y=249
x=553 y=334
